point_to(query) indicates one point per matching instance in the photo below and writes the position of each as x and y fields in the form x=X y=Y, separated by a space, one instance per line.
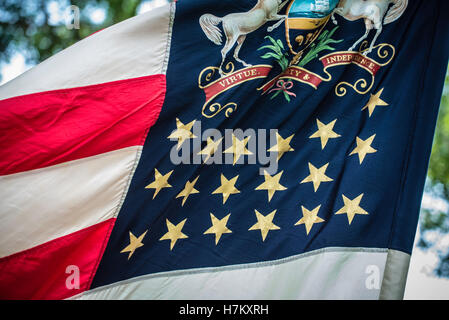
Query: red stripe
x=43 y=272
x=44 y=129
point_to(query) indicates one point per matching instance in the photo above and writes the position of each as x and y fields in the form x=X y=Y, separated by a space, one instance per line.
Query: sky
x=421 y=284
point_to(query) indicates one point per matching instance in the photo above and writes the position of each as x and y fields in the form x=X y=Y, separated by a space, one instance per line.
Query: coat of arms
x=308 y=34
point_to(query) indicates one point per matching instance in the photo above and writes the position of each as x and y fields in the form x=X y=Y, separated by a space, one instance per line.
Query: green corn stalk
x=324 y=41
x=277 y=51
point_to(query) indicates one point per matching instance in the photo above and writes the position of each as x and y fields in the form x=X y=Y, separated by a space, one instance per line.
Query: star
x=282 y=146
x=317 y=176
x=271 y=184
x=351 y=207
x=218 y=227
x=211 y=148
x=134 y=243
x=174 y=233
x=238 y=148
x=188 y=190
x=227 y=187
x=182 y=132
x=375 y=101
x=160 y=182
x=325 y=132
x=364 y=147
x=309 y=218
x=264 y=223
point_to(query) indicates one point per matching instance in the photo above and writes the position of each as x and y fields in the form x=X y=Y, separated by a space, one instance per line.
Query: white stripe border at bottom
x=327 y=273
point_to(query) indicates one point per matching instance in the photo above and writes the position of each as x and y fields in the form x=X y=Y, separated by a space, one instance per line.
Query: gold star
x=218 y=227
x=364 y=147
x=309 y=218
x=317 y=176
x=174 y=233
x=325 y=132
x=182 y=132
x=271 y=184
x=227 y=187
x=238 y=148
x=264 y=223
x=211 y=148
x=134 y=243
x=282 y=146
x=160 y=182
x=352 y=207
x=188 y=190
x=375 y=101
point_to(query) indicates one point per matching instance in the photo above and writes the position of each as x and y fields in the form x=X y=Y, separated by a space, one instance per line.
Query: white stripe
x=133 y=48
x=330 y=273
x=40 y=205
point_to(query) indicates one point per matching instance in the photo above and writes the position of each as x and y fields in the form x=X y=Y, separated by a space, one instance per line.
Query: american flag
x=98 y=200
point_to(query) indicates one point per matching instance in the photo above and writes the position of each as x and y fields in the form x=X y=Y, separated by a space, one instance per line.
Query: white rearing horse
x=237 y=25
x=374 y=12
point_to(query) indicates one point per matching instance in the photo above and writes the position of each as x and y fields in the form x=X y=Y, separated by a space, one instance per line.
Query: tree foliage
x=439 y=160
x=435 y=221
x=29 y=26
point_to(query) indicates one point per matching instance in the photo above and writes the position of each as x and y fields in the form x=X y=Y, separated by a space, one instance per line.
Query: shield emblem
x=305 y=21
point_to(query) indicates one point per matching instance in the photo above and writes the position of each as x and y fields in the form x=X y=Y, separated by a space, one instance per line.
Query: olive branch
x=278 y=52
x=324 y=41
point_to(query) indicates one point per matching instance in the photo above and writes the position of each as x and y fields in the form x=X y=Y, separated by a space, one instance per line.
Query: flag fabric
x=224 y=150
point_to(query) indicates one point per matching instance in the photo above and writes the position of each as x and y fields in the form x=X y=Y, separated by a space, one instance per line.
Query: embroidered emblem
x=306 y=38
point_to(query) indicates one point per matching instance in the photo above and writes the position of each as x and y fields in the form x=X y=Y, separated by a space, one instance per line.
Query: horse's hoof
x=270 y=29
x=366 y=53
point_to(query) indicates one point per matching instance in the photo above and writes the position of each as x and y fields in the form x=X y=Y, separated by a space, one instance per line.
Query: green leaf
x=275 y=95
x=268 y=47
x=283 y=63
x=326 y=47
x=271 y=55
x=323 y=35
x=274 y=48
x=277 y=52
x=334 y=41
x=333 y=31
x=272 y=40
x=281 y=45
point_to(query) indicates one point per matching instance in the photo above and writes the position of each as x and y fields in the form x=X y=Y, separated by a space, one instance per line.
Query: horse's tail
x=208 y=23
x=396 y=11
